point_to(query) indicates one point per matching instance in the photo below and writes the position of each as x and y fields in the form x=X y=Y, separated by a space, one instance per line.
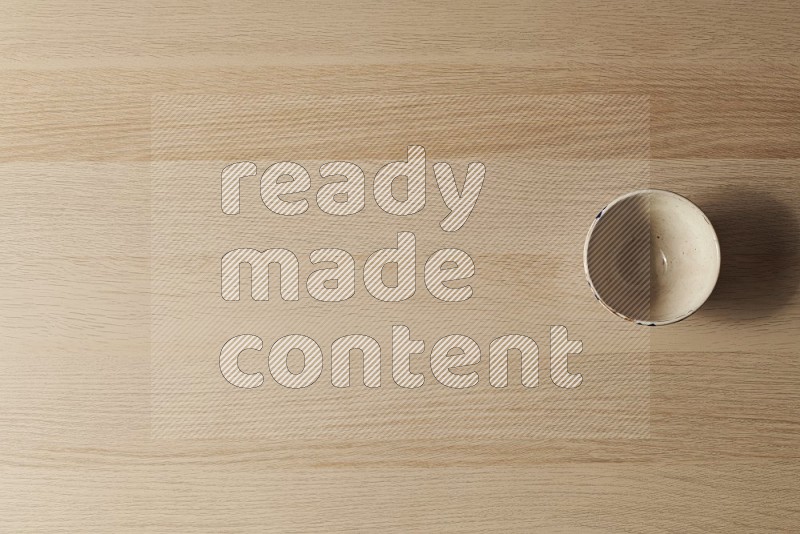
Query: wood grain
x=77 y=80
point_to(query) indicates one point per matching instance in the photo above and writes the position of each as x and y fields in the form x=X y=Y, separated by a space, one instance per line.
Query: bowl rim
x=640 y=192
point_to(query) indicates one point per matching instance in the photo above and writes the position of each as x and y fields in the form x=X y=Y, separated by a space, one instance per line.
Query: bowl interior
x=652 y=256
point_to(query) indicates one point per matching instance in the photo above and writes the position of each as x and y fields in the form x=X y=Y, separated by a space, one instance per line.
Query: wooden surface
x=76 y=452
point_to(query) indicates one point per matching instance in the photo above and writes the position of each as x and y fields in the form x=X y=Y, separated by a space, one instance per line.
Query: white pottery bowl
x=652 y=257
